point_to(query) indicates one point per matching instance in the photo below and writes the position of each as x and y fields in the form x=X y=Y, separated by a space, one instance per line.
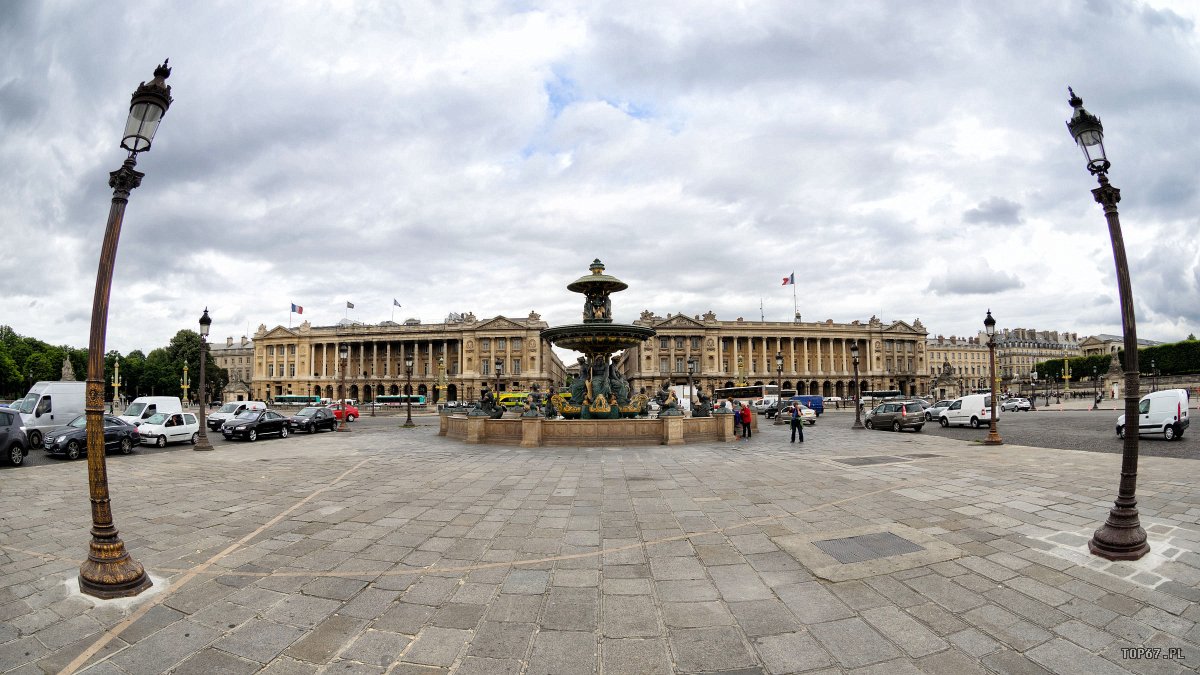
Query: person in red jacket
x=746 y=415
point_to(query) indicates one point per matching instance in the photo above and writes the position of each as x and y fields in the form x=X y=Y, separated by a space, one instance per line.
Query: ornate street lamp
x=857 y=394
x=1121 y=537
x=499 y=369
x=691 y=366
x=109 y=571
x=116 y=384
x=1153 y=376
x=205 y=322
x=344 y=355
x=408 y=368
x=185 y=383
x=779 y=385
x=1033 y=390
x=989 y=325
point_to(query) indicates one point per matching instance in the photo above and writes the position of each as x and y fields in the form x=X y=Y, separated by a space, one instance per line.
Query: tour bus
x=763 y=394
x=293 y=399
x=512 y=399
x=400 y=399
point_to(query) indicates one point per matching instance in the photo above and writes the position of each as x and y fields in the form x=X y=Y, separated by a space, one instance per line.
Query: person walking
x=797 y=423
x=747 y=416
x=737 y=419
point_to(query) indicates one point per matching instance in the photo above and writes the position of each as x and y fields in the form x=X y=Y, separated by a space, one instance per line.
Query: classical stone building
x=1104 y=343
x=452 y=360
x=1018 y=350
x=237 y=359
x=816 y=355
x=957 y=365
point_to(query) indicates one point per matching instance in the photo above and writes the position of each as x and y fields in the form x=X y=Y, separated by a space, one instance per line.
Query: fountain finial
x=597 y=266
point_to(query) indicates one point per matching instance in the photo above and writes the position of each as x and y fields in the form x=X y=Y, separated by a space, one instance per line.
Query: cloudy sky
x=905 y=160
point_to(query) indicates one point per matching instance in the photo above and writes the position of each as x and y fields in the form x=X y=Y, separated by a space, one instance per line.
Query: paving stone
x=501 y=640
x=162 y=650
x=473 y=665
x=518 y=608
x=259 y=640
x=302 y=610
x=974 y=643
x=629 y=616
x=717 y=649
x=404 y=617
x=696 y=614
x=376 y=647
x=1008 y=662
x=904 y=630
x=949 y=662
x=686 y=590
x=1092 y=639
x=791 y=653
x=1065 y=658
x=437 y=646
x=853 y=643
x=458 y=615
x=571 y=609
x=764 y=617
x=326 y=639
x=630 y=655
x=563 y=653
x=812 y=604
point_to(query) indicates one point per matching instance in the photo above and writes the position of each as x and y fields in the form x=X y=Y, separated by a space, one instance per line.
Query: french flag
x=297 y=309
x=790 y=280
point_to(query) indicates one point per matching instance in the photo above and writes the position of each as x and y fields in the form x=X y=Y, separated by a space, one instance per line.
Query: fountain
x=600 y=392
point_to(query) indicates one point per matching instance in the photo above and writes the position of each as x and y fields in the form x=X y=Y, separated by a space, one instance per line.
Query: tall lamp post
x=408 y=368
x=116 y=383
x=109 y=571
x=691 y=363
x=1121 y=537
x=185 y=383
x=202 y=442
x=1033 y=390
x=499 y=370
x=989 y=325
x=344 y=356
x=1153 y=376
x=857 y=394
x=779 y=384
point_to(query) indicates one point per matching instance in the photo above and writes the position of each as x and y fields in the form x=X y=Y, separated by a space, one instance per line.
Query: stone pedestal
x=443 y=423
x=725 y=428
x=475 y=429
x=531 y=432
x=672 y=430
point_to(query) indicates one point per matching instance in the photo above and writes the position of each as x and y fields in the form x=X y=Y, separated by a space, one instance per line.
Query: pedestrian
x=737 y=419
x=747 y=416
x=797 y=423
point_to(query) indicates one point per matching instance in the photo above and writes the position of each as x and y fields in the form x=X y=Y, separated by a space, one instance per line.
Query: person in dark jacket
x=797 y=423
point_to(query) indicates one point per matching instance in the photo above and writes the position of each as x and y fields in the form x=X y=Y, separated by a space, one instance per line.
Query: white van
x=145 y=406
x=1160 y=412
x=230 y=410
x=973 y=409
x=49 y=405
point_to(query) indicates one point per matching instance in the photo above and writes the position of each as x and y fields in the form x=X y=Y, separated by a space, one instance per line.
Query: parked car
x=896 y=415
x=351 y=411
x=13 y=441
x=71 y=440
x=935 y=410
x=1161 y=412
x=313 y=419
x=973 y=409
x=807 y=415
x=250 y=424
x=144 y=407
x=229 y=410
x=1015 y=404
x=48 y=406
x=162 y=428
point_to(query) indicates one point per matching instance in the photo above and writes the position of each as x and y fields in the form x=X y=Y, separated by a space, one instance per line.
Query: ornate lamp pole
x=109 y=571
x=499 y=369
x=205 y=322
x=1153 y=376
x=116 y=383
x=408 y=368
x=989 y=325
x=857 y=395
x=691 y=363
x=779 y=384
x=741 y=381
x=344 y=355
x=1122 y=536
x=185 y=384
x=1033 y=390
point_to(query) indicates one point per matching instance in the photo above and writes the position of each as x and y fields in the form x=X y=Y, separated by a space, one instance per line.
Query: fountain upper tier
x=597 y=334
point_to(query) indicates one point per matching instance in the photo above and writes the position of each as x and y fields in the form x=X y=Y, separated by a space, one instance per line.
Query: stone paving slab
x=398 y=551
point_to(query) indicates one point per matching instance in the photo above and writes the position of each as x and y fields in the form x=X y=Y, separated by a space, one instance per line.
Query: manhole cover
x=867 y=547
x=864 y=461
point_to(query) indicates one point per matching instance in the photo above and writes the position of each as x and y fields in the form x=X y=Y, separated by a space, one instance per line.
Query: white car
x=1015 y=404
x=162 y=428
x=935 y=410
x=807 y=415
x=1161 y=412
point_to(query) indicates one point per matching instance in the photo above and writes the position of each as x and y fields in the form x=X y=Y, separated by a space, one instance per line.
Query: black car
x=13 y=442
x=312 y=420
x=71 y=440
x=250 y=424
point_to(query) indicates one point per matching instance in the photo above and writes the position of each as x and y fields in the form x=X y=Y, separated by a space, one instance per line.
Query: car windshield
x=156 y=418
x=228 y=408
x=135 y=410
x=26 y=404
x=248 y=415
x=79 y=422
x=307 y=412
x=913 y=407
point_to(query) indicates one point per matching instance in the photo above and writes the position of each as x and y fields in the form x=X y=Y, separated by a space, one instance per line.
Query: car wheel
x=1169 y=432
x=896 y=426
x=161 y=441
x=312 y=429
x=283 y=432
x=928 y=417
x=16 y=455
x=73 y=450
x=126 y=446
x=1121 y=432
x=35 y=439
x=869 y=424
x=349 y=418
x=252 y=436
x=195 y=437
x=944 y=421
x=975 y=422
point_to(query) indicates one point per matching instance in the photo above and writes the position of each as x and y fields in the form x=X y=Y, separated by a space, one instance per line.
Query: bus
x=512 y=399
x=767 y=393
x=400 y=399
x=293 y=399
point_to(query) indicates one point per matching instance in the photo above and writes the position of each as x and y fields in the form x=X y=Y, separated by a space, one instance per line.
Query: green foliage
x=1081 y=368
x=1178 y=358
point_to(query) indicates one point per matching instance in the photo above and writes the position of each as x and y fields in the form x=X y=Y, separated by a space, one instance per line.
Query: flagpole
x=795 y=303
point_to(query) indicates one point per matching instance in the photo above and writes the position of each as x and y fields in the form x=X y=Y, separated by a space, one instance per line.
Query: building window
x=291 y=349
x=516 y=366
x=662 y=343
x=695 y=343
x=270 y=370
x=678 y=343
x=483 y=367
x=271 y=350
x=499 y=344
x=516 y=344
x=485 y=344
x=679 y=365
x=662 y=365
x=291 y=370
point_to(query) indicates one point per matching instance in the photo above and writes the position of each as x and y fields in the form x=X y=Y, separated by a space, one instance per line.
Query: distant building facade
x=957 y=365
x=816 y=355
x=452 y=360
x=1103 y=343
x=237 y=358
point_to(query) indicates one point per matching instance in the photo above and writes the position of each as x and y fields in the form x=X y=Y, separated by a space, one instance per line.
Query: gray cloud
x=974 y=278
x=995 y=211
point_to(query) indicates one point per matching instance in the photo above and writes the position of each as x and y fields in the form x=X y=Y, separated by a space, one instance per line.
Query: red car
x=350 y=411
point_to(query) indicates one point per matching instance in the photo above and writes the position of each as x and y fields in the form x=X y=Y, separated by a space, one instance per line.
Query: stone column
x=531 y=432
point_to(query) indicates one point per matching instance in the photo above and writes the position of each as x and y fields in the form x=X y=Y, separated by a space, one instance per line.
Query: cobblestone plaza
x=387 y=550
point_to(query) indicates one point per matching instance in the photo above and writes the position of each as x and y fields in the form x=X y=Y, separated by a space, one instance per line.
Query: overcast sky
x=905 y=160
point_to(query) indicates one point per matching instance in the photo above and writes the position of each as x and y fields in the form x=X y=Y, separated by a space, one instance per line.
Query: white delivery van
x=230 y=410
x=973 y=409
x=49 y=405
x=1161 y=412
x=143 y=407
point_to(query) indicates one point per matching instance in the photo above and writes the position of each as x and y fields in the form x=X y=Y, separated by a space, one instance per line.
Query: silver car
x=932 y=412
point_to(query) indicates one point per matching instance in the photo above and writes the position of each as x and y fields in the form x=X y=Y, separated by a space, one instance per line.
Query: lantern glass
x=205 y=323
x=989 y=324
x=144 y=118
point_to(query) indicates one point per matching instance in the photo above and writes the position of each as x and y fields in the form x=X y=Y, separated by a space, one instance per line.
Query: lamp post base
x=1121 y=537
x=109 y=572
x=993 y=438
x=857 y=425
x=202 y=444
